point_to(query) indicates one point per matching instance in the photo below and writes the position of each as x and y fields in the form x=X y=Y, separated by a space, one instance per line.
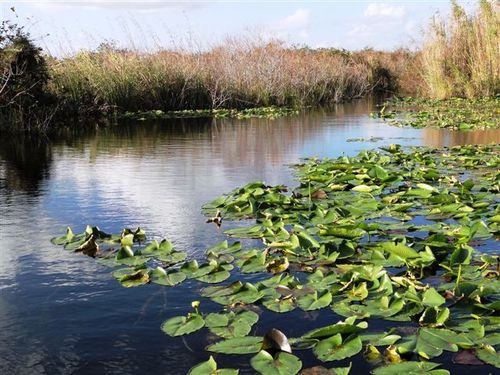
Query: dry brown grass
x=237 y=74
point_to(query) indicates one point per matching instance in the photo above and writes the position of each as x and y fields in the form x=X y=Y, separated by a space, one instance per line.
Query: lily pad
x=281 y=364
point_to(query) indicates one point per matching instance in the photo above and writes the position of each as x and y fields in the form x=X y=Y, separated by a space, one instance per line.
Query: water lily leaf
x=170 y=278
x=231 y=324
x=430 y=342
x=341 y=370
x=224 y=248
x=278 y=265
x=281 y=364
x=247 y=294
x=89 y=247
x=315 y=300
x=280 y=305
x=172 y=257
x=255 y=263
x=210 y=368
x=221 y=290
x=334 y=348
x=411 y=368
x=127 y=240
x=399 y=249
x=348 y=232
x=254 y=231
x=130 y=277
x=487 y=353
x=434 y=316
x=157 y=248
x=215 y=276
x=183 y=325
x=461 y=255
x=379 y=339
x=237 y=345
x=343 y=327
x=63 y=240
x=378 y=172
x=364 y=188
x=357 y=292
x=432 y=298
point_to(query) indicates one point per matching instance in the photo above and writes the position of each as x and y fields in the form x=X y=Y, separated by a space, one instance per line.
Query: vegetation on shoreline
x=461 y=57
x=455 y=113
x=398 y=236
x=236 y=75
x=458 y=58
x=270 y=113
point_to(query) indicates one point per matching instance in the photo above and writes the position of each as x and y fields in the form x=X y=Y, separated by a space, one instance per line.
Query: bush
x=23 y=80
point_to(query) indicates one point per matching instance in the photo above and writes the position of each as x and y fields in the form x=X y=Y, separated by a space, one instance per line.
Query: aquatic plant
x=454 y=113
x=270 y=113
x=409 y=237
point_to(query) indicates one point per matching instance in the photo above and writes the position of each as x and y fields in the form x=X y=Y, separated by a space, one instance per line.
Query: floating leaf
x=231 y=324
x=183 y=325
x=130 y=277
x=281 y=364
x=169 y=278
x=487 y=354
x=237 y=345
x=410 y=368
x=315 y=300
x=210 y=368
x=335 y=348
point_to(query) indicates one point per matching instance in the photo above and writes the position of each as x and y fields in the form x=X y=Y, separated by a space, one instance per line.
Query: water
x=62 y=313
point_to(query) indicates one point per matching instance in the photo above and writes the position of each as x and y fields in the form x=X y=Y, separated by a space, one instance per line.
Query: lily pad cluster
x=408 y=237
x=455 y=113
x=271 y=113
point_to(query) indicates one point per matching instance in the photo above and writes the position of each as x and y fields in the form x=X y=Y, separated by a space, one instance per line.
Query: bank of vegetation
x=459 y=58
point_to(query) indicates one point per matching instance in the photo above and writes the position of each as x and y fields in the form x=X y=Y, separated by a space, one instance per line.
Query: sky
x=64 y=27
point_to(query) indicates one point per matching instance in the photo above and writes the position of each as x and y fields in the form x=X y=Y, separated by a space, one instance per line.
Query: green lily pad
x=183 y=325
x=335 y=348
x=168 y=278
x=315 y=300
x=210 y=368
x=281 y=364
x=130 y=277
x=231 y=324
x=410 y=368
x=237 y=345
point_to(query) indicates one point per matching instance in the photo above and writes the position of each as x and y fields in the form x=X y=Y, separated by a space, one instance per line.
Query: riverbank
x=457 y=58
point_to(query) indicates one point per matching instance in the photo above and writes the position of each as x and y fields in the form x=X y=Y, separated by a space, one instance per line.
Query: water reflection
x=25 y=162
x=440 y=137
x=65 y=314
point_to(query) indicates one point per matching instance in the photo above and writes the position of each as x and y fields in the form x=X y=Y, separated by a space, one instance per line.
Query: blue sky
x=63 y=27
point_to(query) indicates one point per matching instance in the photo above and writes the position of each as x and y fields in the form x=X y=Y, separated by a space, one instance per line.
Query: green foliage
x=453 y=114
x=406 y=248
x=23 y=81
x=461 y=57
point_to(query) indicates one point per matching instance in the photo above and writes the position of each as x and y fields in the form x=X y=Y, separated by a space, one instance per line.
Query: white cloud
x=293 y=27
x=298 y=20
x=384 y=10
x=113 y=4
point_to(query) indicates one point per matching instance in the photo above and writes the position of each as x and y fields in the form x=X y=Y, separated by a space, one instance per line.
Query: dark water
x=62 y=313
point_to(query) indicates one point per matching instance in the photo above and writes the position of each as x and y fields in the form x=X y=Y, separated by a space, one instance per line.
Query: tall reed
x=461 y=57
x=236 y=74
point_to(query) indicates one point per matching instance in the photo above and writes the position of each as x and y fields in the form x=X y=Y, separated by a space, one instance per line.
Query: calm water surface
x=62 y=313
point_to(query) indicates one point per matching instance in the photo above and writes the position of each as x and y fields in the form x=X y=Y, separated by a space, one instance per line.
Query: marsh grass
x=238 y=74
x=461 y=57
